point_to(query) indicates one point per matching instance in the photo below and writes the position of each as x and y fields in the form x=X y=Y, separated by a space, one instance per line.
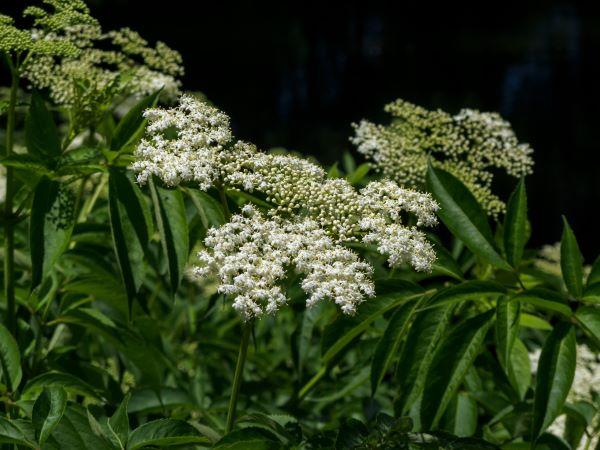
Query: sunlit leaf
x=515 y=225
x=463 y=216
x=571 y=261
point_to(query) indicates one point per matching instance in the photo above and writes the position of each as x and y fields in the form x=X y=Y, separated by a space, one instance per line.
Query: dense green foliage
x=106 y=344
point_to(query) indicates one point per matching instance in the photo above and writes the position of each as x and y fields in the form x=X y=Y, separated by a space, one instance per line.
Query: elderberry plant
x=145 y=247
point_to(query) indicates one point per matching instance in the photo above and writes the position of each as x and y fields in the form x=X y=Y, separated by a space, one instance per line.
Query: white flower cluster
x=385 y=201
x=585 y=387
x=469 y=145
x=311 y=214
x=183 y=144
x=252 y=255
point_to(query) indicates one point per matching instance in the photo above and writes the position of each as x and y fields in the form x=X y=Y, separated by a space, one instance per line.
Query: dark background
x=296 y=74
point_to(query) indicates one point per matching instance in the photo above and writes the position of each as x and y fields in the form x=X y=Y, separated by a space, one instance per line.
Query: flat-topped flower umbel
x=310 y=219
x=469 y=145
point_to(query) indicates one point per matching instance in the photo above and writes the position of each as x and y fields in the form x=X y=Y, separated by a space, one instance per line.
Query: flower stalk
x=9 y=232
x=239 y=374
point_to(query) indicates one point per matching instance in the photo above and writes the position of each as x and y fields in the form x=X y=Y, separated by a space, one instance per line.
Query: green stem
x=223 y=198
x=312 y=382
x=239 y=374
x=9 y=231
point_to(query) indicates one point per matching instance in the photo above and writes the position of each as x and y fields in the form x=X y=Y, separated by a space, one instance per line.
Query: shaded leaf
x=31 y=163
x=51 y=225
x=131 y=126
x=41 y=133
x=172 y=225
x=165 y=433
x=452 y=360
x=10 y=359
x=48 y=410
x=68 y=382
x=342 y=331
x=119 y=422
x=462 y=414
x=555 y=373
x=130 y=225
x=389 y=344
x=210 y=210
x=425 y=333
x=251 y=438
x=16 y=432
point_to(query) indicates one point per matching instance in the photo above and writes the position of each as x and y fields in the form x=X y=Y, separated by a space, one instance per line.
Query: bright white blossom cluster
x=183 y=144
x=192 y=143
x=468 y=145
x=252 y=256
x=585 y=388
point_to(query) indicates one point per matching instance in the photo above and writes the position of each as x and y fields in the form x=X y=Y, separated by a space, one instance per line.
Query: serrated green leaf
x=10 y=360
x=389 y=344
x=357 y=175
x=515 y=225
x=555 y=373
x=54 y=378
x=535 y=322
x=588 y=318
x=210 y=210
x=594 y=276
x=341 y=332
x=173 y=228
x=591 y=294
x=250 y=438
x=164 y=433
x=51 y=225
x=119 y=422
x=30 y=163
x=571 y=261
x=130 y=226
x=16 y=432
x=545 y=299
x=41 y=133
x=75 y=432
x=445 y=264
x=131 y=126
x=468 y=290
x=507 y=329
x=462 y=414
x=48 y=410
x=423 y=338
x=519 y=373
x=452 y=360
x=463 y=216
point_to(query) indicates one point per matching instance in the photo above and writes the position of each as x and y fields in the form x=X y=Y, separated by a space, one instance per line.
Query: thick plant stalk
x=9 y=232
x=239 y=374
